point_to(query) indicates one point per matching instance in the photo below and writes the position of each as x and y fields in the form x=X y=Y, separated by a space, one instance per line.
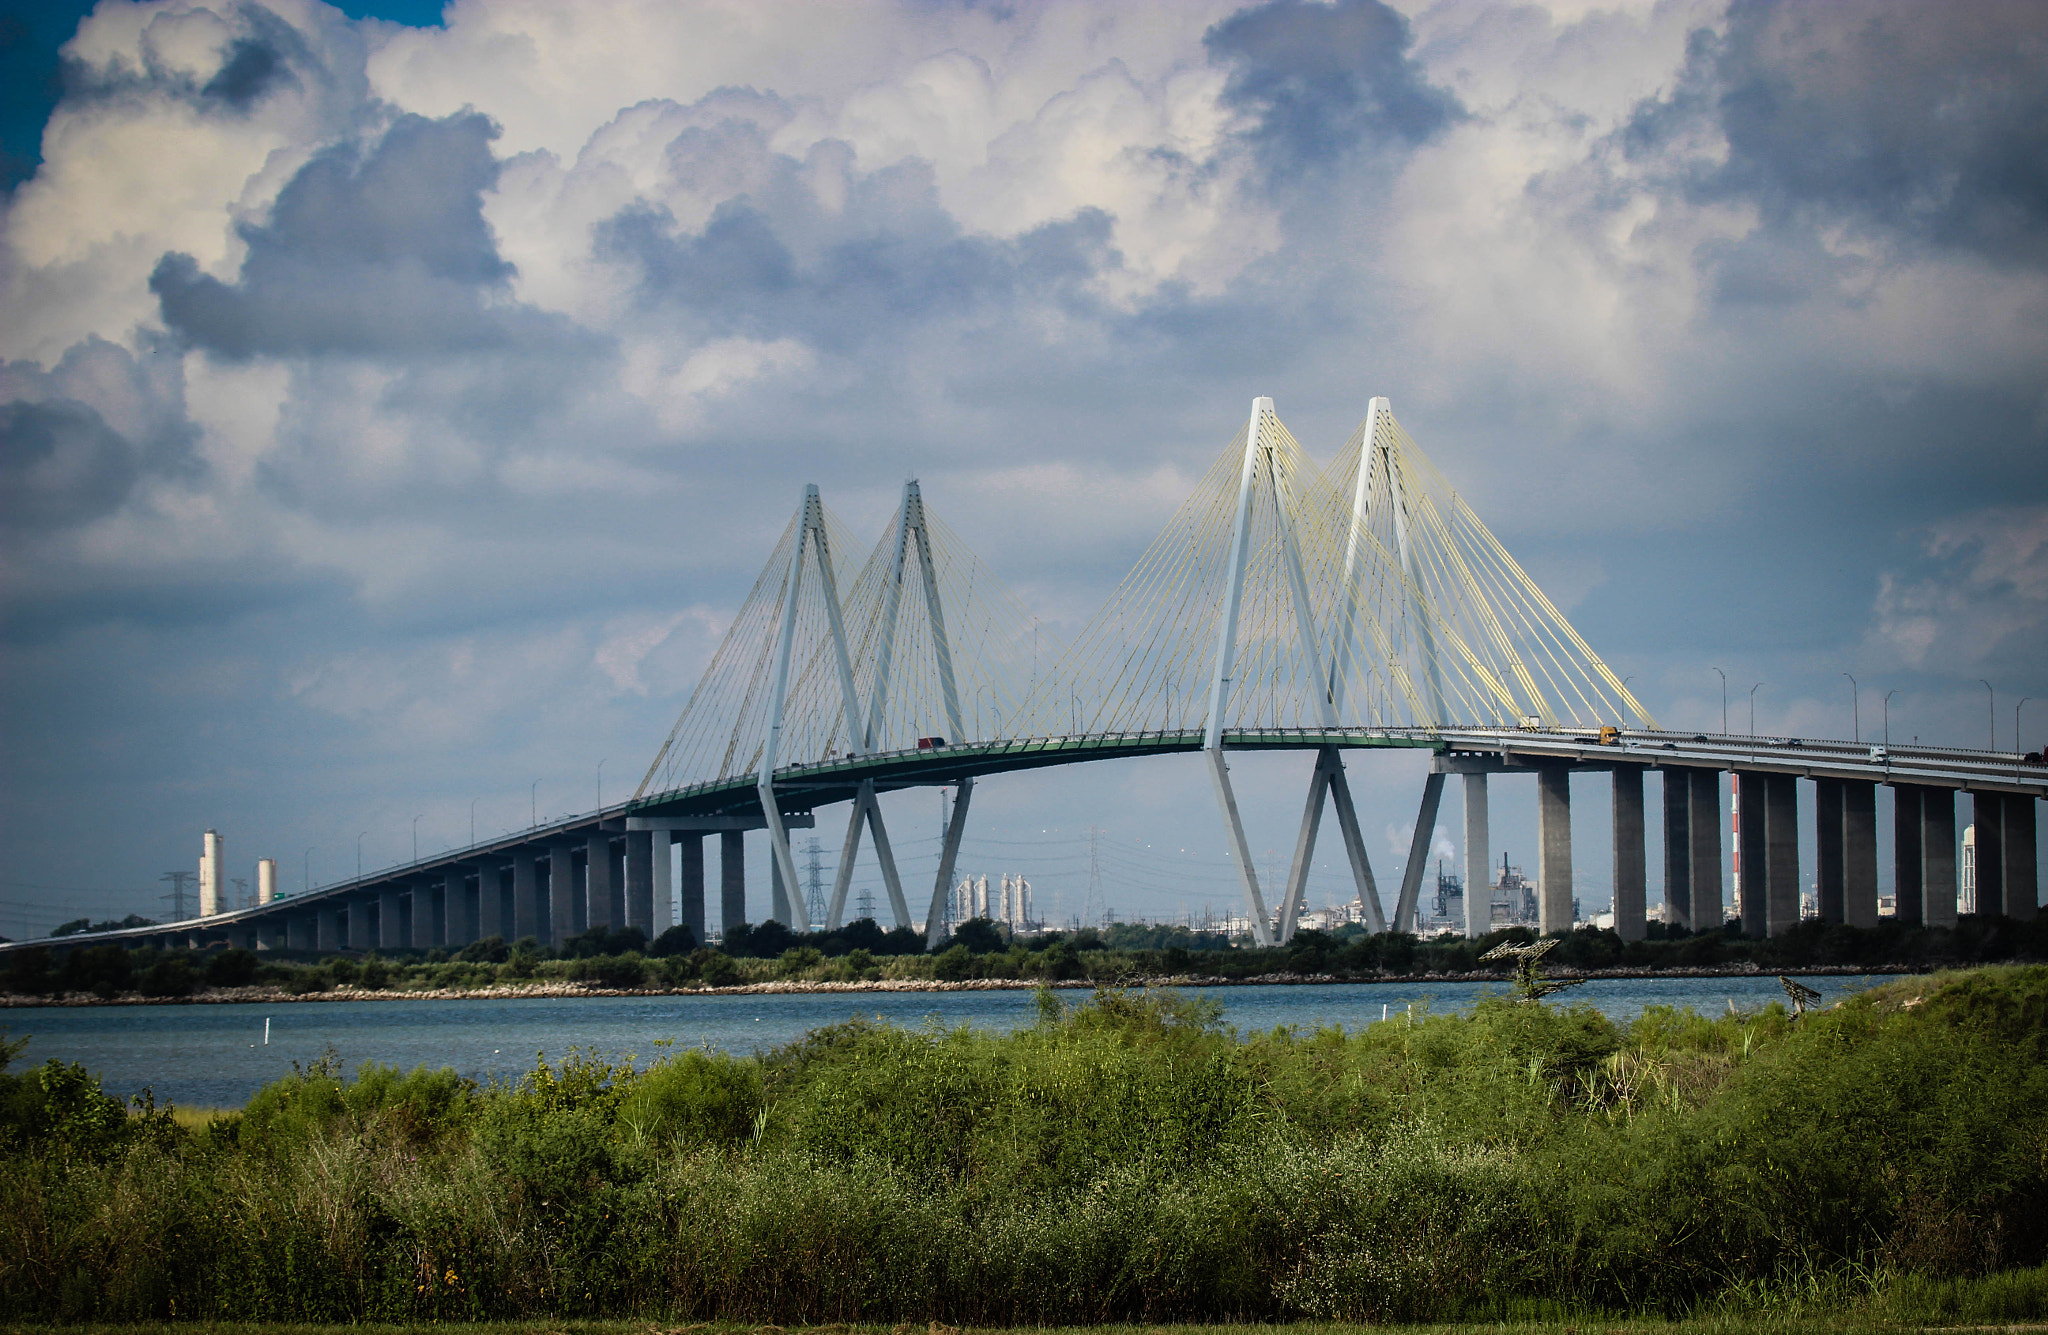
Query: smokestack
x=209 y=875
x=266 y=880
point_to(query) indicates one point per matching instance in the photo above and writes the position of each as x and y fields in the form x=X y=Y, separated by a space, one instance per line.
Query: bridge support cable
x=1418 y=853
x=949 y=854
x=1219 y=686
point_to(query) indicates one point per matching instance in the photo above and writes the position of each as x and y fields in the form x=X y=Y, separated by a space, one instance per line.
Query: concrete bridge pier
x=1781 y=854
x=732 y=879
x=455 y=910
x=1859 y=852
x=1987 y=812
x=1938 y=855
x=561 y=893
x=391 y=933
x=1827 y=848
x=1752 y=851
x=663 y=883
x=1706 y=850
x=2022 y=857
x=1678 y=847
x=490 y=901
x=639 y=854
x=690 y=868
x=1909 y=899
x=1478 y=859
x=1631 y=872
x=529 y=905
x=1554 y=842
x=598 y=892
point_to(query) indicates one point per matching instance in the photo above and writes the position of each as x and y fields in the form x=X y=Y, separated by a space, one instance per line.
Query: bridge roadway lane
x=734 y=803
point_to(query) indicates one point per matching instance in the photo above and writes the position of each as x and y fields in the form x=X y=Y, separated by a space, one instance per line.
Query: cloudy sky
x=395 y=404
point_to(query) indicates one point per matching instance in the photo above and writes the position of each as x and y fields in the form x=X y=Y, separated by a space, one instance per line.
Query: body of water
x=214 y=1056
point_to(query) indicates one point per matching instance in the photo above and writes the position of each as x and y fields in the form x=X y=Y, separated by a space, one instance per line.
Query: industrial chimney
x=209 y=875
x=266 y=880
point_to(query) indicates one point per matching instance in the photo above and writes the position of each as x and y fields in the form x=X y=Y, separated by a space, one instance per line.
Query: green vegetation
x=623 y=958
x=1125 y=1159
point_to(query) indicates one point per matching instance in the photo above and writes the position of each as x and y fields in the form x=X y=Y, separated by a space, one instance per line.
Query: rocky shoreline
x=509 y=992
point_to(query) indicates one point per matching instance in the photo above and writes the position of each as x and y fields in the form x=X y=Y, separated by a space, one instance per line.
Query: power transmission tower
x=814 y=890
x=177 y=895
x=241 y=892
x=865 y=901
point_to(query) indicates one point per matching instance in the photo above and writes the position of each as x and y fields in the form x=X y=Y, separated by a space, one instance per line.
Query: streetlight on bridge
x=1752 y=708
x=416 y=837
x=1855 y=707
x=1888 y=722
x=306 y=877
x=359 y=855
x=1991 y=711
x=1724 y=702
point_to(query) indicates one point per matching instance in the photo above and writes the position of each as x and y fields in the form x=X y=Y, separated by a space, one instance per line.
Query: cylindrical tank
x=209 y=874
x=266 y=880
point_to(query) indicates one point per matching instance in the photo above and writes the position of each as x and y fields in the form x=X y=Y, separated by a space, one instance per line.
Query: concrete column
x=302 y=932
x=664 y=905
x=1827 y=849
x=1706 y=850
x=1631 y=871
x=598 y=874
x=459 y=907
x=1938 y=855
x=331 y=925
x=690 y=870
x=1908 y=892
x=391 y=933
x=732 y=879
x=490 y=900
x=1988 y=815
x=1678 y=847
x=529 y=906
x=1752 y=851
x=1781 y=859
x=640 y=882
x=270 y=934
x=2022 y=864
x=561 y=893
x=778 y=893
x=615 y=860
x=431 y=911
x=1554 y=839
x=1478 y=859
x=1859 y=852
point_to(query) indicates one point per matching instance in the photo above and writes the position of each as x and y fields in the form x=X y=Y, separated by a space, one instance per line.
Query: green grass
x=1126 y=1159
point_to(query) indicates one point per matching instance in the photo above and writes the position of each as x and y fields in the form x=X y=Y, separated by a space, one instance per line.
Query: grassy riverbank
x=1126 y=1159
x=863 y=952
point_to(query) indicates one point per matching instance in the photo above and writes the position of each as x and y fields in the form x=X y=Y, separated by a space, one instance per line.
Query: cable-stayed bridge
x=1284 y=607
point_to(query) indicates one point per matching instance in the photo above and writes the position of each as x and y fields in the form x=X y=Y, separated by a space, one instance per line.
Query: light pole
x=600 y=786
x=533 y=802
x=1888 y=723
x=1724 y=702
x=416 y=837
x=1752 y=708
x=2016 y=731
x=1625 y=695
x=359 y=855
x=1992 y=713
x=472 y=822
x=306 y=881
x=1855 y=705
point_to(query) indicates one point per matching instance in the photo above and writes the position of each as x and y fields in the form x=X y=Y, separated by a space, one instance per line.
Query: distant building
x=1966 y=879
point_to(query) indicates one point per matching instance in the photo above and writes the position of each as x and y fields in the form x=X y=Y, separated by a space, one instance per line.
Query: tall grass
x=1128 y=1158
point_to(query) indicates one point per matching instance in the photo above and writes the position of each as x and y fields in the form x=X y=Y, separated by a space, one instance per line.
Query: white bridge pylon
x=923 y=642
x=1281 y=599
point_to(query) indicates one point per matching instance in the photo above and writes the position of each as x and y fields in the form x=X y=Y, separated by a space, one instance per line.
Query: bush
x=1128 y=1159
x=233 y=967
